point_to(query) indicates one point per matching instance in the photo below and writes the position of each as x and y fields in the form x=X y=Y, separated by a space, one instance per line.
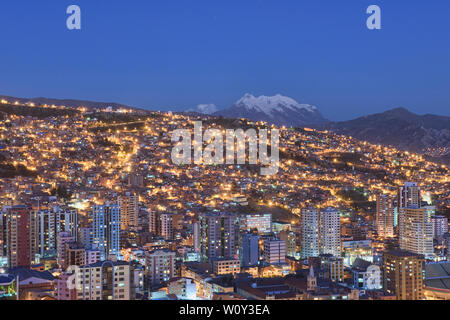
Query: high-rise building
x=218 y=232
x=416 y=230
x=63 y=239
x=446 y=244
x=196 y=236
x=274 y=251
x=385 y=216
x=106 y=280
x=20 y=231
x=249 y=249
x=75 y=255
x=440 y=226
x=396 y=216
x=153 y=222
x=129 y=211
x=403 y=275
x=330 y=232
x=310 y=233
x=160 y=266
x=162 y=224
x=3 y=239
x=409 y=195
x=86 y=237
x=290 y=239
x=106 y=230
x=49 y=224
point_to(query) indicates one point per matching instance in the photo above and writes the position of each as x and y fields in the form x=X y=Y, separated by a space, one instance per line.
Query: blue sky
x=177 y=54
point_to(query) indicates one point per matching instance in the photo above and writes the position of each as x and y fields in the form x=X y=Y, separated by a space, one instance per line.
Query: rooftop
x=24 y=273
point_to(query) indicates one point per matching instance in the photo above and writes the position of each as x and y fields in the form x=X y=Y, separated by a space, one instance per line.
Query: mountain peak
x=277 y=109
x=400 y=111
x=270 y=105
x=208 y=109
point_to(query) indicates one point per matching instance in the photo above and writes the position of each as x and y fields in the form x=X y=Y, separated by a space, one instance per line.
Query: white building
x=49 y=224
x=92 y=256
x=440 y=226
x=416 y=230
x=226 y=266
x=106 y=280
x=274 y=251
x=409 y=195
x=366 y=276
x=106 y=230
x=160 y=266
x=261 y=222
x=330 y=232
x=183 y=288
x=310 y=233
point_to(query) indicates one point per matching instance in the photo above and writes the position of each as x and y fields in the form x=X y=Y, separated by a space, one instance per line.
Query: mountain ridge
x=427 y=134
x=73 y=103
x=278 y=110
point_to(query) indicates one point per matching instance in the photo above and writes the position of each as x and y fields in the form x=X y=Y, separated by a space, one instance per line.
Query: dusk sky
x=177 y=54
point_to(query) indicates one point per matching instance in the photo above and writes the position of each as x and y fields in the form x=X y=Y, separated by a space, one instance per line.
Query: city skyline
x=108 y=193
x=93 y=195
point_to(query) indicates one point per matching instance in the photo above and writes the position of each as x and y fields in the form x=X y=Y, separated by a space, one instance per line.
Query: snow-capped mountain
x=204 y=109
x=279 y=110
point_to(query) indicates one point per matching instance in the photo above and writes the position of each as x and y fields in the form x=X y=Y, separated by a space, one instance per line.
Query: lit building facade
x=160 y=266
x=129 y=209
x=416 y=230
x=409 y=195
x=249 y=249
x=330 y=232
x=309 y=233
x=106 y=230
x=385 y=216
x=261 y=222
x=226 y=266
x=403 y=274
x=50 y=223
x=440 y=226
x=105 y=280
x=274 y=251
x=290 y=239
x=20 y=234
x=218 y=232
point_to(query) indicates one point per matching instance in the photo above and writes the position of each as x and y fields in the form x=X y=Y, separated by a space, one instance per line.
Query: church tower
x=312 y=280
